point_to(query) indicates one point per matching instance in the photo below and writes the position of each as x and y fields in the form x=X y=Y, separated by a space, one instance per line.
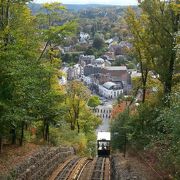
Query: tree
x=19 y=44
x=90 y=51
x=141 y=51
x=77 y=95
x=29 y=89
x=161 y=26
x=98 y=42
x=118 y=130
x=94 y=101
x=119 y=108
x=53 y=35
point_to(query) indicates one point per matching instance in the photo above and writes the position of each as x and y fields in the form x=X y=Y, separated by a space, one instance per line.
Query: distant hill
x=77 y=7
x=35 y=7
x=72 y=7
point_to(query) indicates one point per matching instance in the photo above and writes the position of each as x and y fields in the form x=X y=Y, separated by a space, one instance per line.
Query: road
x=105 y=126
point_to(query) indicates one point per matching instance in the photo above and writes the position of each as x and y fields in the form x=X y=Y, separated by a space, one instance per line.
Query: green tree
x=90 y=51
x=160 y=25
x=19 y=44
x=77 y=95
x=94 y=101
x=98 y=42
x=53 y=35
x=118 y=130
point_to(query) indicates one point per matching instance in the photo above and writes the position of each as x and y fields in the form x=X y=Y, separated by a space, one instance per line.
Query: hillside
x=73 y=7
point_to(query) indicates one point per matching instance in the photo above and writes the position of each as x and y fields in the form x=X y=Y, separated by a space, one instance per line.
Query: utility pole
x=125 y=142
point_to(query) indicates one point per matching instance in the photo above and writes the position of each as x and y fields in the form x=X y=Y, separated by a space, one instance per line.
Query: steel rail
x=98 y=173
x=60 y=168
x=66 y=171
x=81 y=171
x=76 y=169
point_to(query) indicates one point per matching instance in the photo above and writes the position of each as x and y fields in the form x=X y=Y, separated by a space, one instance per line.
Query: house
x=125 y=44
x=135 y=74
x=109 y=56
x=103 y=111
x=111 y=90
x=109 y=41
x=100 y=78
x=60 y=49
x=92 y=69
x=99 y=62
x=107 y=63
x=118 y=73
x=125 y=47
x=85 y=60
x=87 y=80
x=71 y=74
x=74 y=72
x=120 y=48
x=68 y=48
x=84 y=37
x=115 y=47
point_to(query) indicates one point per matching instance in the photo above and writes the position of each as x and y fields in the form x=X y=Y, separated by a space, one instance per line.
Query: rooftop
x=108 y=85
x=99 y=61
x=104 y=136
x=135 y=74
x=117 y=68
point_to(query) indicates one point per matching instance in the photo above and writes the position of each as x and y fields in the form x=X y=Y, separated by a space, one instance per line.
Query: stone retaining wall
x=41 y=165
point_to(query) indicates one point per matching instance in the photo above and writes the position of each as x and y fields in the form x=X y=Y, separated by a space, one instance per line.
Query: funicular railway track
x=101 y=169
x=82 y=169
x=71 y=169
x=98 y=172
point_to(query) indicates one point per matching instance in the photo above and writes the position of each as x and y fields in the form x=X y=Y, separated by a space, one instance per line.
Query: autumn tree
x=76 y=98
x=160 y=26
x=141 y=50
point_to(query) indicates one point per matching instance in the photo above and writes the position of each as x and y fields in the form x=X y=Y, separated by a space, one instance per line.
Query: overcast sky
x=114 y=2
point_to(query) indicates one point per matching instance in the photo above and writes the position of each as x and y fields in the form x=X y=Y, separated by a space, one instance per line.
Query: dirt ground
x=13 y=155
x=132 y=167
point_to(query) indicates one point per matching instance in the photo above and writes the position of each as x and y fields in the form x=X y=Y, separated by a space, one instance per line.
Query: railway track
x=83 y=169
x=71 y=169
x=101 y=169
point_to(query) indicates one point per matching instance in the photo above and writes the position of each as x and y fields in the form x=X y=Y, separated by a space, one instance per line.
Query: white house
x=109 y=41
x=103 y=111
x=135 y=74
x=84 y=37
x=99 y=62
x=74 y=72
x=87 y=80
x=110 y=90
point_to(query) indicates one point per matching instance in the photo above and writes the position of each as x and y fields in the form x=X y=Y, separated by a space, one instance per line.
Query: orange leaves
x=119 y=108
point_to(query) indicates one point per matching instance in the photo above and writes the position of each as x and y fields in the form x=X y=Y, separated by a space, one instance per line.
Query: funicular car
x=103 y=144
